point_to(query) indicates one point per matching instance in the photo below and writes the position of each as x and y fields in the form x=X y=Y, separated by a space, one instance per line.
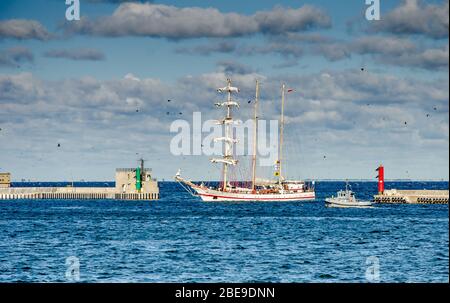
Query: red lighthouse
x=380 y=177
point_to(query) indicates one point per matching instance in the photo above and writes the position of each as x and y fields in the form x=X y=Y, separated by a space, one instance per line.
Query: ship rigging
x=269 y=190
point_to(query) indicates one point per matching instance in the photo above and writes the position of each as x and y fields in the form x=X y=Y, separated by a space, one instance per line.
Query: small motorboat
x=346 y=198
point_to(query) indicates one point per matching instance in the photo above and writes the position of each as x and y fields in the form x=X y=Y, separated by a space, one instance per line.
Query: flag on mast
x=290 y=90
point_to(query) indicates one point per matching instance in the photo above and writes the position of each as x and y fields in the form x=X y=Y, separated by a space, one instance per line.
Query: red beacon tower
x=380 y=177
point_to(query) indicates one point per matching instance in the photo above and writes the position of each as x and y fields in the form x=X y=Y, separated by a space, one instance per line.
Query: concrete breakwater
x=131 y=184
x=413 y=196
x=72 y=193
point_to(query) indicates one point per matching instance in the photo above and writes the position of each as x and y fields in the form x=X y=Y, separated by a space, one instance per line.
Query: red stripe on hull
x=256 y=199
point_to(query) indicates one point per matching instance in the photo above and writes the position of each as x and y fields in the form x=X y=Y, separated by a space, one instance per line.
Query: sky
x=81 y=98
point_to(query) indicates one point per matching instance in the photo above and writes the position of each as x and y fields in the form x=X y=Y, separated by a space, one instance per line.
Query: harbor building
x=131 y=184
x=5 y=180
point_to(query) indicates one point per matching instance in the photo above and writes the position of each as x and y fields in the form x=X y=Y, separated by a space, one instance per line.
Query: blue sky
x=149 y=57
x=63 y=82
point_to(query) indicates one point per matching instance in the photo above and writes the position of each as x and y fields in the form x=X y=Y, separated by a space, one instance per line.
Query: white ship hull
x=333 y=202
x=211 y=195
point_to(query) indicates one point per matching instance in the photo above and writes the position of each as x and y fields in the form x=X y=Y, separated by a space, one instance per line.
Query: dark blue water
x=180 y=239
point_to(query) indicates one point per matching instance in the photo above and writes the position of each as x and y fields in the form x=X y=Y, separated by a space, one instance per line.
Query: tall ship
x=278 y=189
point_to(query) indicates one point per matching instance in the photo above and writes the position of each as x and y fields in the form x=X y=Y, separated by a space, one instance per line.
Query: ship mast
x=280 y=157
x=228 y=145
x=228 y=139
x=255 y=135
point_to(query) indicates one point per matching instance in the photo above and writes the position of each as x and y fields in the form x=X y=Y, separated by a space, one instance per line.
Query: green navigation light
x=138 y=179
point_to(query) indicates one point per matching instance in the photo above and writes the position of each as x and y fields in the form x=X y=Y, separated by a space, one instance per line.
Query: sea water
x=181 y=239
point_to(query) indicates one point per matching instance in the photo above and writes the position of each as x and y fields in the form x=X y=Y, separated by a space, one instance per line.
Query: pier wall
x=131 y=184
x=413 y=196
x=74 y=193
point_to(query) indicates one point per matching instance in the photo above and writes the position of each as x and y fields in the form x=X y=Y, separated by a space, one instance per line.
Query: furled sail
x=227 y=139
x=230 y=89
x=224 y=160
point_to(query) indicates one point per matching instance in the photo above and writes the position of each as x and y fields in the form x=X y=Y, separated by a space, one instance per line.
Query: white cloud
x=130 y=76
x=416 y=17
x=158 y=20
x=76 y=54
x=23 y=29
x=15 y=56
x=96 y=121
